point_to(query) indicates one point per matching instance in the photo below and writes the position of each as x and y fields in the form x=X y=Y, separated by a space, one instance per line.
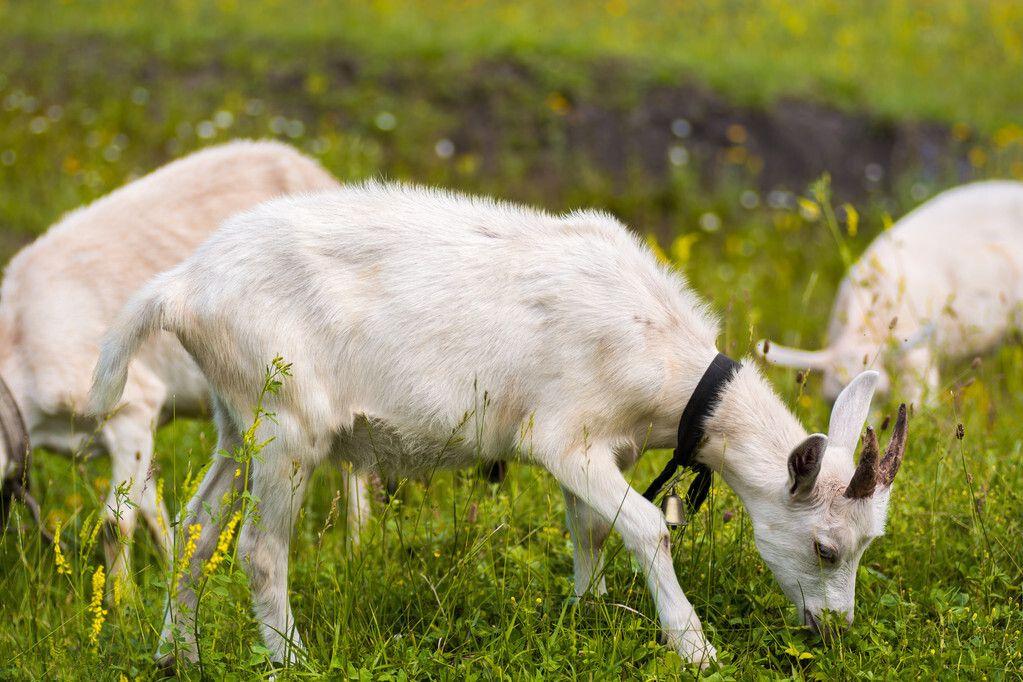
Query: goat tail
x=143 y=315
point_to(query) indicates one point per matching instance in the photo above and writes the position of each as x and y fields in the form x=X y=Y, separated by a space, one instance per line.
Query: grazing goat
x=428 y=329
x=61 y=293
x=946 y=281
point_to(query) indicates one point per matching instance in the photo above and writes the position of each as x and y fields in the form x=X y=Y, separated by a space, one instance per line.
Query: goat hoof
x=692 y=647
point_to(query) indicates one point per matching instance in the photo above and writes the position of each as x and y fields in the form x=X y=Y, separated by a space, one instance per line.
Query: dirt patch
x=543 y=126
x=783 y=146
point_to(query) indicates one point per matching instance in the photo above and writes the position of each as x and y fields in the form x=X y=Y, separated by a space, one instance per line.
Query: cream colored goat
x=61 y=293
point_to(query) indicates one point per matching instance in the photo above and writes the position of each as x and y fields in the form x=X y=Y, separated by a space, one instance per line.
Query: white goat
x=946 y=281
x=426 y=328
x=61 y=293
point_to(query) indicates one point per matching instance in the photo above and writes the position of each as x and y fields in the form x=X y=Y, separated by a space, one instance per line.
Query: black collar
x=690 y=432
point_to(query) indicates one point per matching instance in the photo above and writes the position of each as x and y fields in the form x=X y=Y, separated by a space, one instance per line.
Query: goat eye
x=827 y=555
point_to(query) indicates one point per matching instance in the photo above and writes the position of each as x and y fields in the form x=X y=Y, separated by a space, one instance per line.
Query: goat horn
x=896 y=448
x=864 y=479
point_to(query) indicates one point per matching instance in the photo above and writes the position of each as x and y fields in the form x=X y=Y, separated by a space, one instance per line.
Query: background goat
x=61 y=293
x=946 y=281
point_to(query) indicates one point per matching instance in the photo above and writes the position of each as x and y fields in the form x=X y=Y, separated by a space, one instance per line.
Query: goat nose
x=827 y=627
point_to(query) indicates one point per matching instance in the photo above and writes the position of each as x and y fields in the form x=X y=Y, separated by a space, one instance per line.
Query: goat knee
x=650 y=542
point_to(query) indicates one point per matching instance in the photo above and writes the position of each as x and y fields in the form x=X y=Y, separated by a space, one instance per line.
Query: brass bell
x=671 y=505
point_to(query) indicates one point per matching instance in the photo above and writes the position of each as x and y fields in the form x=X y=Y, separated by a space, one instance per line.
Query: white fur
x=950 y=274
x=61 y=293
x=429 y=329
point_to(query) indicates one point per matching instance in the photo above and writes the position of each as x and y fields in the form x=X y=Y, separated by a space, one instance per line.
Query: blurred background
x=758 y=145
x=701 y=119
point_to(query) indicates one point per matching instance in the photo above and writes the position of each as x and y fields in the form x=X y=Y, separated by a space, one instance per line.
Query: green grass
x=459 y=579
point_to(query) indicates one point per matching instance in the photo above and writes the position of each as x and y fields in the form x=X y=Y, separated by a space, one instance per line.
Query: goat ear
x=805 y=464
x=784 y=356
x=850 y=411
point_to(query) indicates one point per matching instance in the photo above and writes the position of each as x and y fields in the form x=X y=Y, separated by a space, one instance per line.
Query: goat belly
x=374 y=445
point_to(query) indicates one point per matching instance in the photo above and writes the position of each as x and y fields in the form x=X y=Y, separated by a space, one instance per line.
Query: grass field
x=459 y=579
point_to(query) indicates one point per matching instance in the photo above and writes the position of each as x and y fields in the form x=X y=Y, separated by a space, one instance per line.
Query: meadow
x=457 y=578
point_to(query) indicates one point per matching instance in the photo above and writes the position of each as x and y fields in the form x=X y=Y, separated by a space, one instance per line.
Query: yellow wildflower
x=1007 y=135
x=192 y=481
x=159 y=505
x=117 y=590
x=96 y=606
x=223 y=543
x=557 y=103
x=682 y=247
x=63 y=567
x=194 y=531
x=809 y=208
x=88 y=537
x=852 y=219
